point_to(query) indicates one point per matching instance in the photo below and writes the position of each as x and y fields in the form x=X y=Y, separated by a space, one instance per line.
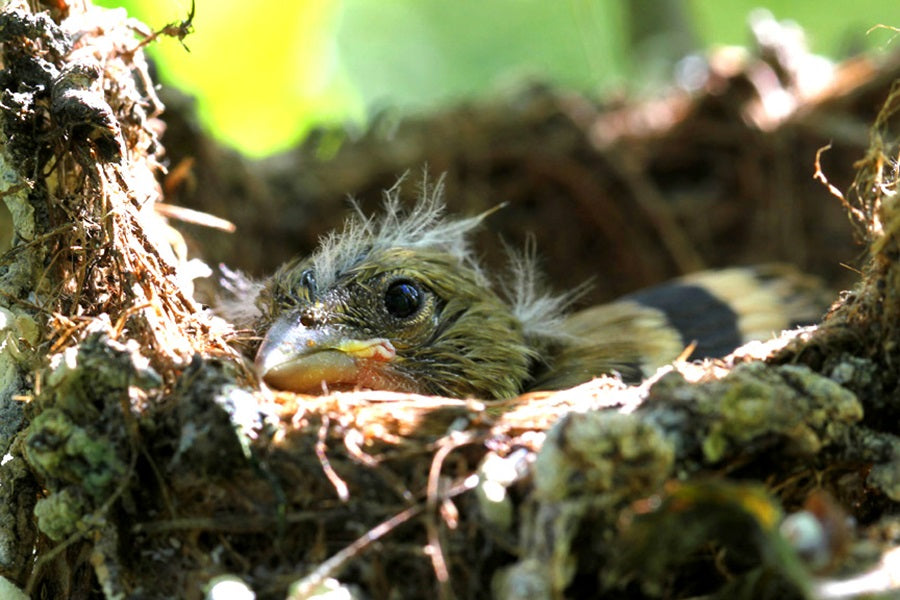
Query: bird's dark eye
x=308 y=280
x=403 y=299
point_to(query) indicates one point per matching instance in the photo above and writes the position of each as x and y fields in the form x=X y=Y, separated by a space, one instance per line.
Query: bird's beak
x=298 y=358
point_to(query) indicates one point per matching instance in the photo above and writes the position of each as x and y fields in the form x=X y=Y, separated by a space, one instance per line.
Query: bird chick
x=399 y=302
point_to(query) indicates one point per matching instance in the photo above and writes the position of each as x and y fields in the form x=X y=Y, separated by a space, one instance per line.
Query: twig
x=194 y=217
x=433 y=497
x=339 y=485
x=306 y=587
x=819 y=175
x=178 y=31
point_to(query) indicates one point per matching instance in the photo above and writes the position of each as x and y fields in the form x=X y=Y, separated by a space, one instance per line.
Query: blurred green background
x=265 y=72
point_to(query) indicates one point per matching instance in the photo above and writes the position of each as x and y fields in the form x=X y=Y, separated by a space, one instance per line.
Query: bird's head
x=394 y=303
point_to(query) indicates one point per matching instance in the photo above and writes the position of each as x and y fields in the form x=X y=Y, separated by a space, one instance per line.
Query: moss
x=59 y=514
x=601 y=453
x=886 y=477
x=590 y=466
x=65 y=452
x=754 y=403
x=18 y=493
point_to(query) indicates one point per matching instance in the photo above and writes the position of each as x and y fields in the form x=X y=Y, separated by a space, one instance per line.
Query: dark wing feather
x=716 y=310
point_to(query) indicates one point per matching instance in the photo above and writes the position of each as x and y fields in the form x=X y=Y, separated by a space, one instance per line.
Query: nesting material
x=141 y=457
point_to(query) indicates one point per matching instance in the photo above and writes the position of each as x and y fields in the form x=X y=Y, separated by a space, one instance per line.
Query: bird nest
x=142 y=458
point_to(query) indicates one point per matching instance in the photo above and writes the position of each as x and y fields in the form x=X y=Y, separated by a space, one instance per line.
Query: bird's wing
x=716 y=311
x=619 y=337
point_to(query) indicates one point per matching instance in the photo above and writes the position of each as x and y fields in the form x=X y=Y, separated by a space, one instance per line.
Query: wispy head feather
x=236 y=298
x=540 y=312
x=422 y=227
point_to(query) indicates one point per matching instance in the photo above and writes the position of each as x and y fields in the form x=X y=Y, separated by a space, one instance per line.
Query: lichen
x=59 y=514
x=18 y=492
x=78 y=440
x=590 y=466
x=598 y=453
x=755 y=403
x=886 y=477
x=67 y=453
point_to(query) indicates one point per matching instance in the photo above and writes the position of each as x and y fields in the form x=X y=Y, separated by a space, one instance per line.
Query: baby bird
x=399 y=302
